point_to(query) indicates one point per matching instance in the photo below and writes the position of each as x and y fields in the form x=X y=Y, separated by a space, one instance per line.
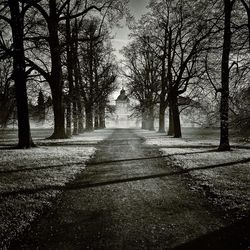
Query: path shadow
x=94 y=163
x=24 y=169
x=204 y=146
x=7 y=147
x=65 y=144
x=146 y=158
x=13 y=146
x=233 y=237
x=77 y=186
x=190 y=146
x=246 y=160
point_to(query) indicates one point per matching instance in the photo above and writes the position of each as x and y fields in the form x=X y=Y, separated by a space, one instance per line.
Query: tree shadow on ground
x=95 y=163
x=5 y=147
x=233 y=237
x=25 y=169
x=189 y=146
x=86 y=184
x=203 y=146
x=65 y=144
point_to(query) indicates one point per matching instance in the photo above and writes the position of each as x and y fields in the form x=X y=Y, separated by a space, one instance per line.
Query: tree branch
x=92 y=7
x=4 y=18
x=34 y=66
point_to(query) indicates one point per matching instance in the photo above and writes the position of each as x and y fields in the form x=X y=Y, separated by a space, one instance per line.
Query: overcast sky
x=138 y=7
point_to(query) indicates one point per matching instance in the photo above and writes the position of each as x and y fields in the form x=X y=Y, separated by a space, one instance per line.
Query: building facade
x=122 y=110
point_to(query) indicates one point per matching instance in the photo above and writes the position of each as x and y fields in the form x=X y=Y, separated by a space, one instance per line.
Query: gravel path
x=127 y=198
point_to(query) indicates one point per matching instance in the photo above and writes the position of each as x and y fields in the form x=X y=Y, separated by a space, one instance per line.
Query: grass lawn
x=31 y=179
x=224 y=177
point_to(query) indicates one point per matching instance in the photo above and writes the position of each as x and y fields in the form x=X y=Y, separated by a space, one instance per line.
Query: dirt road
x=127 y=198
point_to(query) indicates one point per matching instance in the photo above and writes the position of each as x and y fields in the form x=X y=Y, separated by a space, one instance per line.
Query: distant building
x=122 y=115
x=122 y=110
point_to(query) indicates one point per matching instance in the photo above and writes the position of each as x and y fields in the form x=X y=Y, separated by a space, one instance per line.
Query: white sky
x=137 y=7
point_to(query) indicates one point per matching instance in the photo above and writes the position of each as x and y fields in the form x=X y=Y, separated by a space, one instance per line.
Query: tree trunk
x=170 y=85
x=102 y=117
x=76 y=72
x=170 y=122
x=167 y=44
x=58 y=108
x=224 y=106
x=176 y=116
x=75 y=118
x=148 y=123
x=68 y=119
x=56 y=82
x=69 y=74
x=80 y=117
x=151 y=118
x=24 y=135
x=89 y=117
x=144 y=120
x=89 y=107
x=162 y=118
x=97 y=119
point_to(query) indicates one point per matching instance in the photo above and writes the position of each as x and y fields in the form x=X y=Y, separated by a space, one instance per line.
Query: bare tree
x=225 y=70
x=7 y=95
x=97 y=70
x=142 y=69
x=15 y=18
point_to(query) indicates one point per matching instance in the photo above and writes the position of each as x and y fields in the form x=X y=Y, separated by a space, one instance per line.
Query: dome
x=122 y=97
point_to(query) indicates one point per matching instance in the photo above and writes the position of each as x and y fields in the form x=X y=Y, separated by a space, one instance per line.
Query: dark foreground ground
x=130 y=198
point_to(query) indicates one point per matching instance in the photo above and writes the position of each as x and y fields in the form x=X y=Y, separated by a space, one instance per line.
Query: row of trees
x=198 y=48
x=65 y=43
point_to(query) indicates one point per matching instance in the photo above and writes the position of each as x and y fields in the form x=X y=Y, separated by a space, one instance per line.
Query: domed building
x=122 y=110
x=122 y=102
x=123 y=113
x=120 y=115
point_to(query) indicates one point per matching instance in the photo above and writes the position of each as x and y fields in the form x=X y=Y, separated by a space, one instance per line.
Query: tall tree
x=16 y=23
x=77 y=77
x=225 y=71
x=143 y=75
x=54 y=12
x=97 y=70
x=70 y=99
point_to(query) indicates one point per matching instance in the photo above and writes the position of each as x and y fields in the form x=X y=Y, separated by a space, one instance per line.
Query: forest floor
x=124 y=189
